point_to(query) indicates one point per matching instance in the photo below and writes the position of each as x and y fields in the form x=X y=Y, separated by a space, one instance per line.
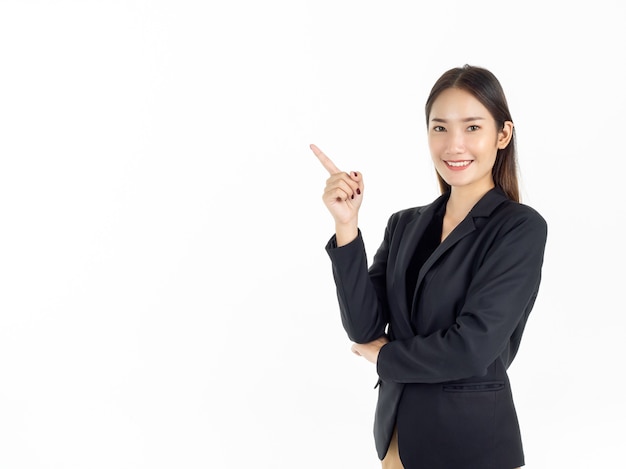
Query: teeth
x=457 y=164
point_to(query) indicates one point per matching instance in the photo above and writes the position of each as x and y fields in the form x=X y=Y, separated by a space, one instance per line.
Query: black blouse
x=424 y=249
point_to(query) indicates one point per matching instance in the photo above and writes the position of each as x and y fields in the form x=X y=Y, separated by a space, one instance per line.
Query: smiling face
x=464 y=140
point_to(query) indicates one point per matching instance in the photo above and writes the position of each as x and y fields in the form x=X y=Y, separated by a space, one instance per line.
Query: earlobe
x=505 y=135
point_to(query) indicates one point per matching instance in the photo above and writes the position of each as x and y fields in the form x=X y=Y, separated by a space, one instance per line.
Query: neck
x=463 y=199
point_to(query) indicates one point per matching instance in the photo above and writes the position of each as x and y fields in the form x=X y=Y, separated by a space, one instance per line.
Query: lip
x=458 y=168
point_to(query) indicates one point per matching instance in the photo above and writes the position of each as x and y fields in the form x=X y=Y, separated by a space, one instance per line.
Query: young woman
x=442 y=308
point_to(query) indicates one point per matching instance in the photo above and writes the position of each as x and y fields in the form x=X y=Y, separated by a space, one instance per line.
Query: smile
x=458 y=164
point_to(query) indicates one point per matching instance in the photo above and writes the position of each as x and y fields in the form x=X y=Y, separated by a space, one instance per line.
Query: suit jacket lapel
x=461 y=231
x=412 y=234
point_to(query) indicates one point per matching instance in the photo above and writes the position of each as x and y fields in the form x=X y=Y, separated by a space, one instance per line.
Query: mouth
x=458 y=165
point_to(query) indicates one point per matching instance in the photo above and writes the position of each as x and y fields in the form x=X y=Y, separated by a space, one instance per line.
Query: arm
x=499 y=299
x=361 y=292
x=361 y=310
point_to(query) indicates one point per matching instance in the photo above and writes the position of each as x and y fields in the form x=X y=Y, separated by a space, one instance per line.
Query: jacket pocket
x=474 y=387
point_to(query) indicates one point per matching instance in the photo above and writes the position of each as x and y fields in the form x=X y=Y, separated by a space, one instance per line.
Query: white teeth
x=458 y=164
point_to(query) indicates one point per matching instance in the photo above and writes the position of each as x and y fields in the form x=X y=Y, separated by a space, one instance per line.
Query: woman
x=442 y=308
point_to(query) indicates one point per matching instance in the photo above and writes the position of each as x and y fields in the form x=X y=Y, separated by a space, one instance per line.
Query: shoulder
x=516 y=212
x=408 y=215
x=401 y=218
x=523 y=220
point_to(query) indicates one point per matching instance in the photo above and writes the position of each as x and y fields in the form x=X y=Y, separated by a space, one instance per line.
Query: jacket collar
x=483 y=208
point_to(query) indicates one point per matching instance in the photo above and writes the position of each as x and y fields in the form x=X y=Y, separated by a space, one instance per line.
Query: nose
x=455 y=142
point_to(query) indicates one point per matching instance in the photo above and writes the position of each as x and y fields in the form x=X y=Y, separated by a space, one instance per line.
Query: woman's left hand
x=370 y=350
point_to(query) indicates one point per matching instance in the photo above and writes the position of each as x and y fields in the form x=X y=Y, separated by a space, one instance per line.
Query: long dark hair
x=485 y=87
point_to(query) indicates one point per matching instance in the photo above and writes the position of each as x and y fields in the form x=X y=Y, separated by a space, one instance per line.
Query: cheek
x=485 y=146
x=436 y=147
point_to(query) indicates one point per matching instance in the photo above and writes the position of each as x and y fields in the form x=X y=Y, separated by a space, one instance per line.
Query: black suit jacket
x=443 y=379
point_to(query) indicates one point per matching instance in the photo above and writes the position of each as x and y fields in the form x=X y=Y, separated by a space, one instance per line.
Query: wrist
x=346 y=233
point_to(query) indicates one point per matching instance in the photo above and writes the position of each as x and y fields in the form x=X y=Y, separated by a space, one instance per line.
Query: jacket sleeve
x=361 y=291
x=499 y=299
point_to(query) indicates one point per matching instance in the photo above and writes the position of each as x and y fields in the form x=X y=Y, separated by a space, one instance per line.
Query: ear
x=505 y=135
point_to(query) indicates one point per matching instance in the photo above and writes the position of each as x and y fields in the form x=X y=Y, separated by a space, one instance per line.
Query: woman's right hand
x=343 y=194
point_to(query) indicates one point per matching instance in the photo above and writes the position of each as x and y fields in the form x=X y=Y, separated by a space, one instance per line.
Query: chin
x=457 y=181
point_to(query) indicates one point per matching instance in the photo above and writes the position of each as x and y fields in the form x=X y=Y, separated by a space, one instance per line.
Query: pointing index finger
x=325 y=160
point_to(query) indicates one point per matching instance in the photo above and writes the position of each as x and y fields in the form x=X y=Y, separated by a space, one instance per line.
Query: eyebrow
x=465 y=119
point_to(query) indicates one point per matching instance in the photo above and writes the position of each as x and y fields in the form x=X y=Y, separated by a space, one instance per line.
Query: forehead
x=455 y=103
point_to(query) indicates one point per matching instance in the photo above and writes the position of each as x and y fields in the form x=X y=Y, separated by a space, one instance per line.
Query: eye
x=438 y=128
x=473 y=128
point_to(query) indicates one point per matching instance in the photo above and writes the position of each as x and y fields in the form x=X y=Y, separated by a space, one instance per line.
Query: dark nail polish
x=352 y=196
x=358 y=191
x=355 y=174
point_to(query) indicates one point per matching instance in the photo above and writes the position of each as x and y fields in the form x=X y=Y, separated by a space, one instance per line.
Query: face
x=464 y=141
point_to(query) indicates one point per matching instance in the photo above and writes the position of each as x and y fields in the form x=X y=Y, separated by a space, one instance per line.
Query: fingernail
x=358 y=191
x=355 y=174
x=352 y=196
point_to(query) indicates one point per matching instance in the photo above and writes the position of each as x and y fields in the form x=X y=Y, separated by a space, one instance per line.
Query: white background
x=165 y=298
